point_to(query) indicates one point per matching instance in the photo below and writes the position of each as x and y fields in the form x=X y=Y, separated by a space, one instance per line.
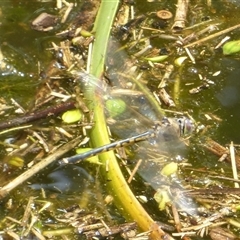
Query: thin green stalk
x=149 y=96
x=116 y=183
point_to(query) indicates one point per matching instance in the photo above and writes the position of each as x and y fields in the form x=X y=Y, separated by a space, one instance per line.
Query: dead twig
x=168 y=71
x=219 y=151
x=38 y=167
x=33 y=116
x=134 y=171
x=165 y=97
x=213 y=36
x=233 y=161
x=221 y=233
x=181 y=15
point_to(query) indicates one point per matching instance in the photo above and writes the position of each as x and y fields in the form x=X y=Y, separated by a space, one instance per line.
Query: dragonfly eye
x=181 y=126
x=186 y=126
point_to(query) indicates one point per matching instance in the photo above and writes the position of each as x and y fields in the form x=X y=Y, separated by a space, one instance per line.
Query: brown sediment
x=85 y=17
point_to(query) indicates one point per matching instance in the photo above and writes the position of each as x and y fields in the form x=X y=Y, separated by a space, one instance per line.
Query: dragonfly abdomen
x=111 y=146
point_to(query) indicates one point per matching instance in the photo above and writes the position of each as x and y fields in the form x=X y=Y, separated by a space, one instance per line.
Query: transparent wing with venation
x=130 y=122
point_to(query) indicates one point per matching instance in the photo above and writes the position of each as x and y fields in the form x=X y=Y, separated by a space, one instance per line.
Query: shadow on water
x=69 y=179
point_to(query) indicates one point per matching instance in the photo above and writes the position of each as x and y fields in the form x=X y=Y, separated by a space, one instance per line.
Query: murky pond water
x=27 y=52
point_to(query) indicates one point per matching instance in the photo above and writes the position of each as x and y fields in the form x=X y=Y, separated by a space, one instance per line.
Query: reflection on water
x=229 y=95
x=67 y=180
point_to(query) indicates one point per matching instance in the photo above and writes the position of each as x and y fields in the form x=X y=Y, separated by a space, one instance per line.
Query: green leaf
x=72 y=116
x=93 y=159
x=179 y=61
x=162 y=198
x=231 y=47
x=157 y=59
x=16 y=161
x=169 y=169
x=115 y=107
x=85 y=33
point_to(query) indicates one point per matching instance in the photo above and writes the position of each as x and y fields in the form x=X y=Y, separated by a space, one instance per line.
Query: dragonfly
x=164 y=132
x=181 y=125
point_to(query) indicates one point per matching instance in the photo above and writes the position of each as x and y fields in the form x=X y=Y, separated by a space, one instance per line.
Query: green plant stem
x=116 y=183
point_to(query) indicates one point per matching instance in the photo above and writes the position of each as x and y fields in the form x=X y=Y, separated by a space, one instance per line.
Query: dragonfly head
x=186 y=126
x=183 y=126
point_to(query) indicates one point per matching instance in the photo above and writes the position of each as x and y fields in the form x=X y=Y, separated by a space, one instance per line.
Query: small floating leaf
x=16 y=161
x=157 y=59
x=162 y=198
x=231 y=47
x=169 y=169
x=72 y=116
x=93 y=159
x=179 y=61
x=115 y=107
x=76 y=40
x=85 y=33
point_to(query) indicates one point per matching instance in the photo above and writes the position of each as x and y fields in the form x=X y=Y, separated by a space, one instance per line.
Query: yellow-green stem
x=116 y=183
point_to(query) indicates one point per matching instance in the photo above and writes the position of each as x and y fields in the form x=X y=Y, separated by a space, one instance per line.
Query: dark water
x=23 y=48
